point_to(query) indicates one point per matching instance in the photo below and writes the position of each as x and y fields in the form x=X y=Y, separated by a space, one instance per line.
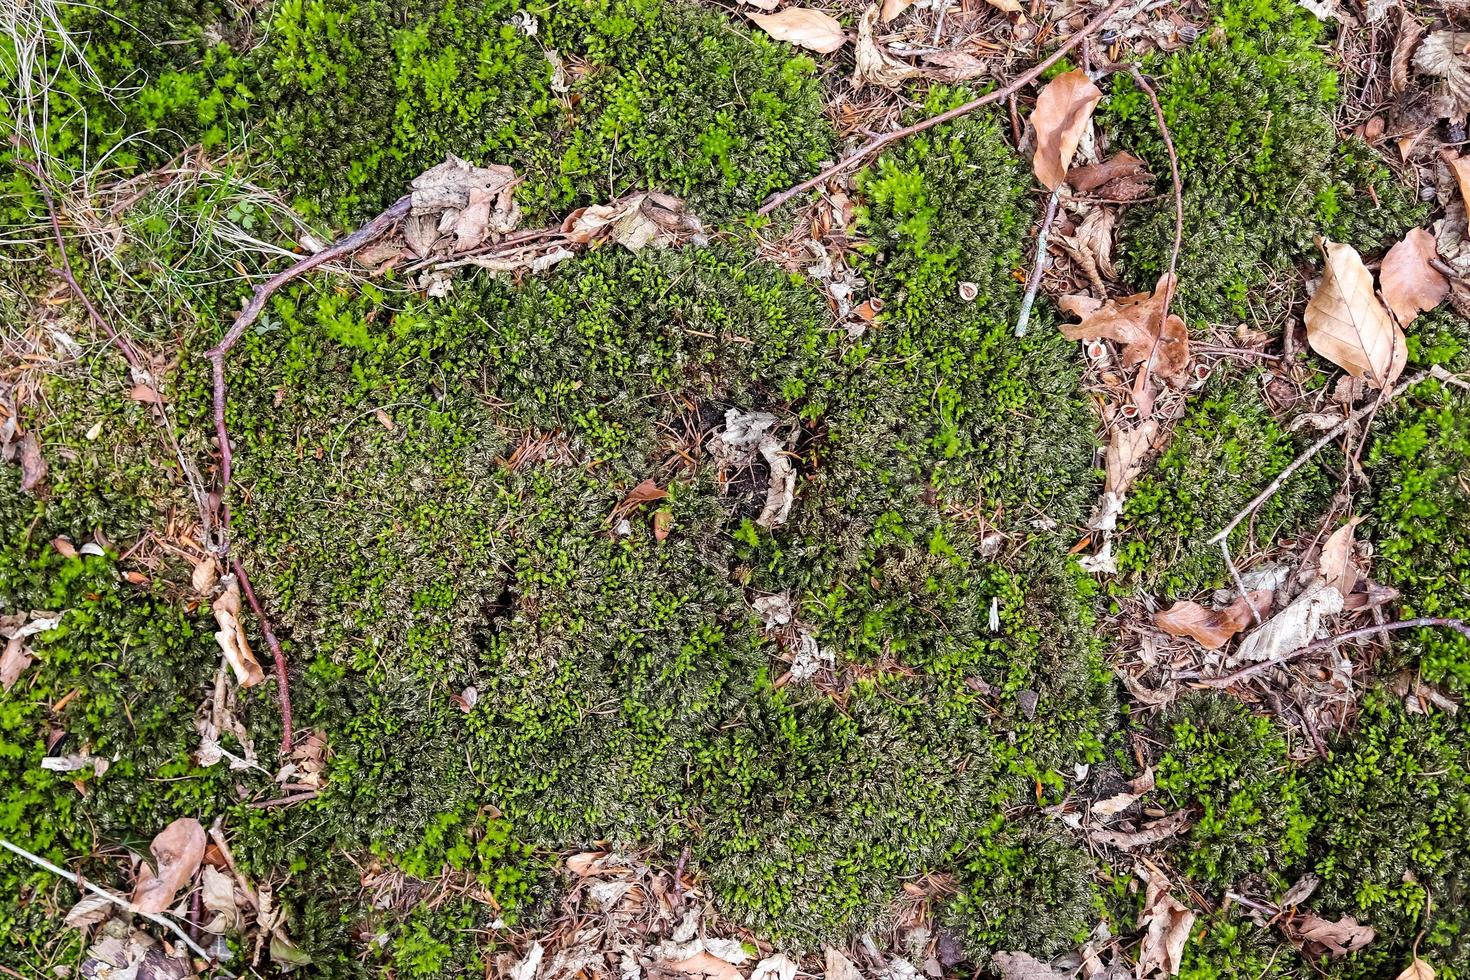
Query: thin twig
x=1312 y=450
x=1458 y=625
x=115 y=899
x=1034 y=283
x=878 y=144
x=1239 y=582
x=310 y=794
x=283 y=688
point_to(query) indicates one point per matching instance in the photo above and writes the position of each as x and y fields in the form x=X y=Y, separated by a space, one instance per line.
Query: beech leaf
x=873 y=64
x=1410 y=285
x=805 y=28
x=1417 y=970
x=1347 y=325
x=1212 y=628
x=1063 y=110
x=1335 y=566
x=177 y=851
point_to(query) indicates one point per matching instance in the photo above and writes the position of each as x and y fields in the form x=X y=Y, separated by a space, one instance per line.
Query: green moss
x=1250 y=110
x=1226 y=449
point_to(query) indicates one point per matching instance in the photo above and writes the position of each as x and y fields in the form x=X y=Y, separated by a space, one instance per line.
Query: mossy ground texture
x=429 y=495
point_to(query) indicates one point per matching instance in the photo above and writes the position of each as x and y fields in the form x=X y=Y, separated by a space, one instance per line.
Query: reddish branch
x=1458 y=625
x=878 y=144
x=277 y=654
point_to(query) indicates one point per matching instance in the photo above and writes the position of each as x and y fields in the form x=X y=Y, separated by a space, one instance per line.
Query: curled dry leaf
x=704 y=966
x=219 y=899
x=91 y=910
x=803 y=27
x=1153 y=833
x=1410 y=285
x=1213 y=628
x=1138 y=323
x=14 y=661
x=1460 y=170
x=644 y=493
x=1318 y=935
x=1293 y=627
x=1417 y=970
x=634 y=222
x=1024 y=966
x=1347 y=325
x=1169 y=924
x=1114 y=805
x=231 y=635
x=1118 y=167
x=1123 y=459
x=952 y=66
x=32 y=463
x=177 y=851
x=457 y=206
x=873 y=64
x=1336 y=566
x=1063 y=111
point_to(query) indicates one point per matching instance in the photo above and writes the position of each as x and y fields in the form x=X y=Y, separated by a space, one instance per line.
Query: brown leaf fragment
x=231 y=635
x=704 y=966
x=1169 y=924
x=634 y=222
x=32 y=463
x=803 y=27
x=663 y=523
x=1317 y=935
x=1404 y=46
x=1138 y=323
x=1293 y=627
x=14 y=661
x=1063 y=111
x=644 y=493
x=892 y=8
x=1123 y=459
x=1417 y=970
x=1114 y=805
x=873 y=65
x=177 y=851
x=1009 y=7
x=1442 y=54
x=1160 y=830
x=1024 y=966
x=1348 y=326
x=91 y=910
x=145 y=394
x=1088 y=178
x=953 y=66
x=1335 y=565
x=457 y=206
x=1212 y=628
x=1460 y=170
x=1410 y=285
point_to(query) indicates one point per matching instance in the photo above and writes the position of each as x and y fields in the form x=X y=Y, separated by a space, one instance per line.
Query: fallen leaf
x=705 y=965
x=1169 y=924
x=778 y=966
x=804 y=28
x=91 y=910
x=457 y=206
x=1338 y=938
x=64 y=548
x=1417 y=970
x=124 y=952
x=1442 y=54
x=1137 y=322
x=1008 y=6
x=1121 y=177
x=1114 y=805
x=1460 y=169
x=218 y=893
x=1335 y=565
x=644 y=493
x=1063 y=111
x=205 y=576
x=1347 y=325
x=146 y=395
x=663 y=523
x=177 y=851
x=1293 y=627
x=1024 y=966
x=32 y=463
x=838 y=966
x=76 y=762
x=1409 y=283
x=1300 y=891
x=231 y=635
x=1212 y=628
x=1152 y=833
x=634 y=222
x=892 y=8
x=14 y=661
x=745 y=435
x=1123 y=459
x=873 y=64
x=953 y=66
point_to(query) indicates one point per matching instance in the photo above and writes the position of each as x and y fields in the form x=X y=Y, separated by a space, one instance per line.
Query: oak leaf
x=803 y=27
x=1138 y=323
x=1212 y=628
x=1410 y=284
x=1349 y=326
x=1063 y=111
x=1169 y=925
x=177 y=851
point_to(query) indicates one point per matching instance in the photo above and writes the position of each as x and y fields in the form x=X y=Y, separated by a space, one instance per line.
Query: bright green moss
x=1226 y=449
x=1250 y=110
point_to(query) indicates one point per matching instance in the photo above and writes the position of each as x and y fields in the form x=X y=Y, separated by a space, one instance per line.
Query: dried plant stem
x=1458 y=625
x=115 y=899
x=1034 y=283
x=878 y=144
x=1312 y=450
x=1153 y=98
x=283 y=688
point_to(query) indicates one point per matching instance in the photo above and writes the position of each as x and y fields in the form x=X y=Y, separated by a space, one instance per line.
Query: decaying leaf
x=32 y=463
x=644 y=493
x=1417 y=970
x=308 y=763
x=14 y=661
x=892 y=8
x=1127 y=449
x=1442 y=54
x=1138 y=323
x=873 y=65
x=1336 y=565
x=1318 y=935
x=705 y=966
x=1347 y=325
x=635 y=221
x=1116 y=804
x=803 y=27
x=76 y=762
x=952 y=66
x=1460 y=170
x=1213 y=628
x=213 y=720
x=1293 y=627
x=1024 y=966
x=124 y=953
x=777 y=966
x=231 y=635
x=746 y=434
x=457 y=206
x=177 y=851
x=91 y=910
x=205 y=576
x=1117 y=168
x=1063 y=111
x=1153 y=833
x=1410 y=285
x=838 y=966
x=1169 y=924
x=219 y=900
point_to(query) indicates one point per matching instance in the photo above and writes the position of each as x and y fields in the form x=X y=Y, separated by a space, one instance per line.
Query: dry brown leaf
x=457 y=206
x=32 y=463
x=1137 y=322
x=205 y=576
x=1334 y=938
x=644 y=493
x=1212 y=628
x=953 y=66
x=1160 y=830
x=1293 y=627
x=1063 y=111
x=663 y=523
x=1123 y=459
x=145 y=394
x=634 y=222
x=1114 y=805
x=1409 y=283
x=1417 y=970
x=14 y=661
x=873 y=64
x=231 y=635
x=1169 y=924
x=177 y=851
x=1008 y=7
x=1442 y=54
x=1347 y=325
x=1024 y=966
x=839 y=967
x=1336 y=566
x=91 y=910
x=892 y=8
x=705 y=966
x=218 y=893
x=1120 y=168
x=803 y=27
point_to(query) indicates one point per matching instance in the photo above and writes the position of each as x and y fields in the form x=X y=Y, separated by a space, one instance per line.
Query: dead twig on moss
x=283 y=689
x=878 y=144
x=1034 y=283
x=1458 y=625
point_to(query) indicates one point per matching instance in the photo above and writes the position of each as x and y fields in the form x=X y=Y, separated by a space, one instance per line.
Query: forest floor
x=624 y=488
